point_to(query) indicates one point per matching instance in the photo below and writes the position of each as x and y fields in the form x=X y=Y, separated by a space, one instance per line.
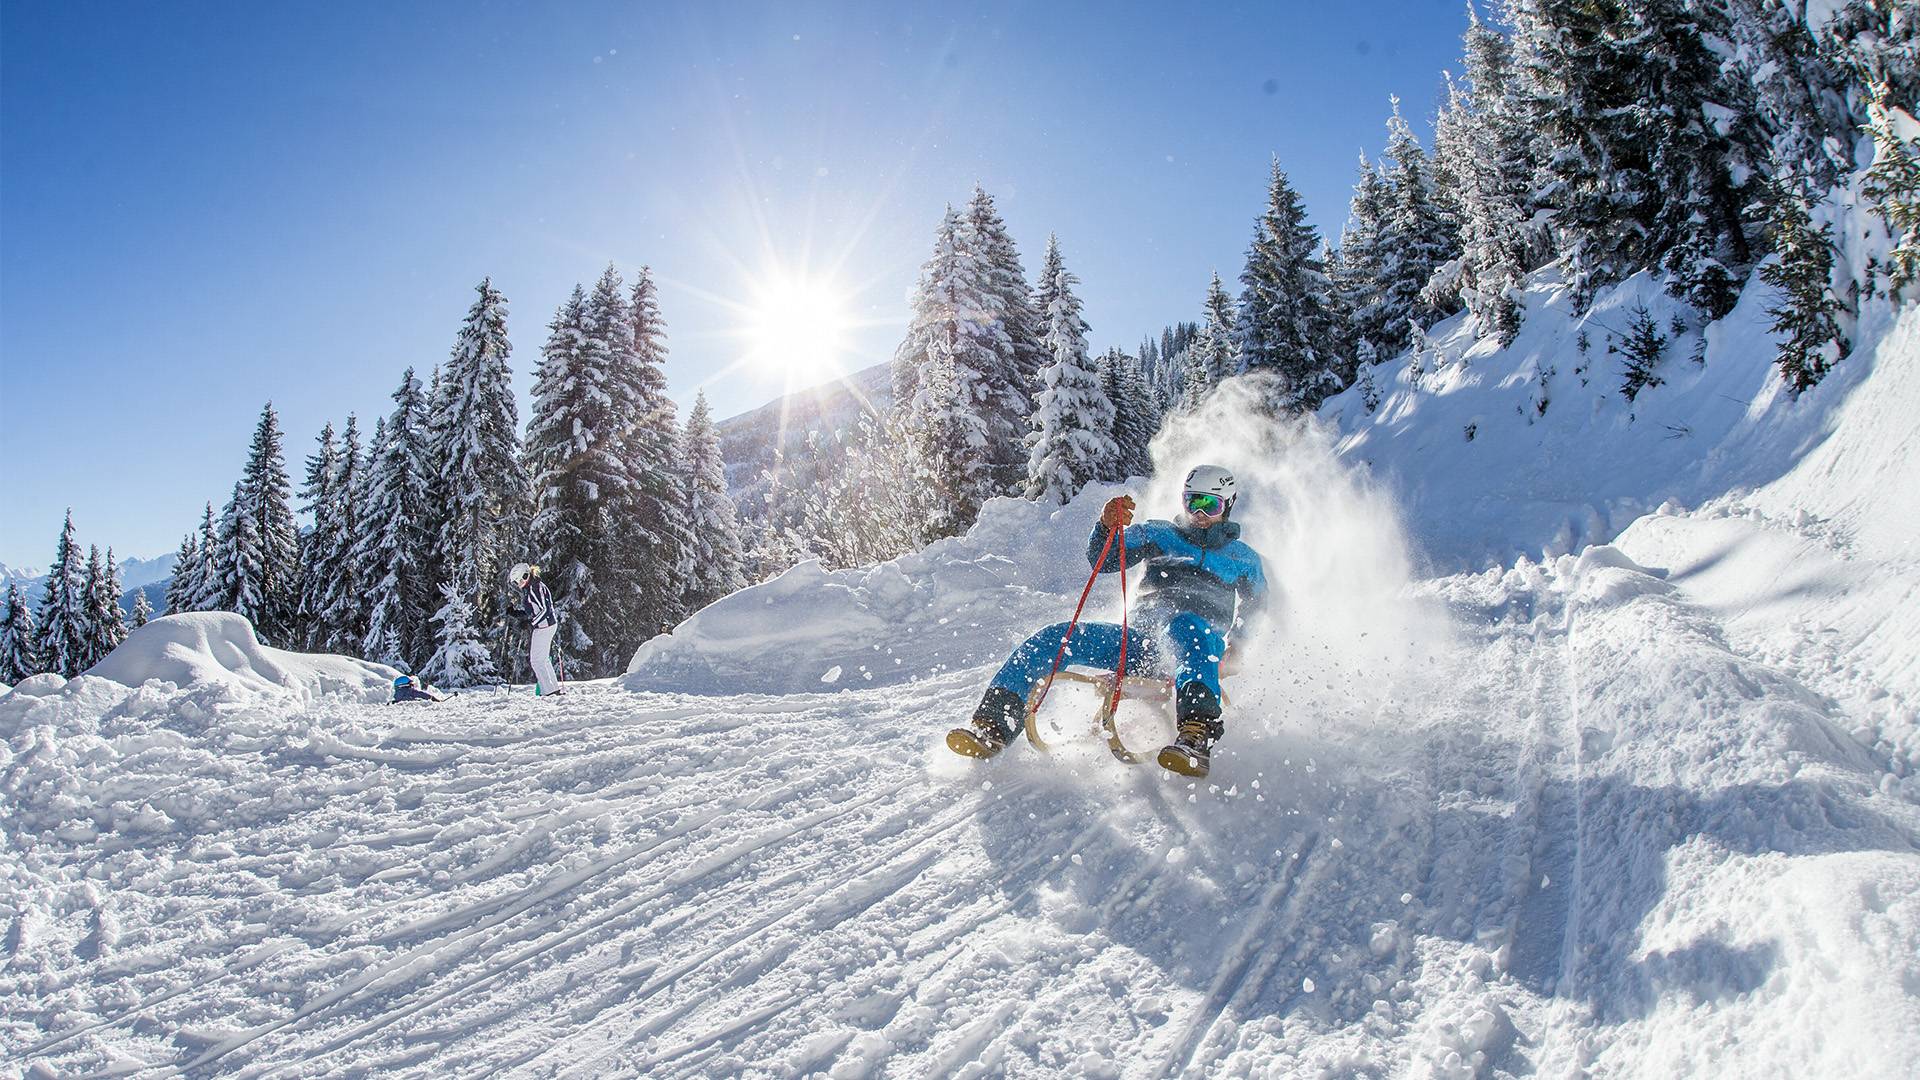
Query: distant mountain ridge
x=748 y=441
x=136 y=575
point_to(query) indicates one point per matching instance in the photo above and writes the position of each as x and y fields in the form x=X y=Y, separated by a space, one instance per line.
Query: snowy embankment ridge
x=1621 y=786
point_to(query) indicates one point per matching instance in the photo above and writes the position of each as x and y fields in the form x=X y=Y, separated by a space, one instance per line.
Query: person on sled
x=407 y=688
x=1201 y=582
x=544 y=619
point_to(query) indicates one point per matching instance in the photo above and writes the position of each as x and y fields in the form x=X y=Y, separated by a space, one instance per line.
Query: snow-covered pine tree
x=205 y=591
x=907 y=370
x=1418 y=237
x=1166 y=372
x=953 y=370
x=235 y=552
x=309 y=591
x=461 y=657
x=571 y=460
x=477 y=432
x=1214 y=353
x=257 y=554
x=1800 y=88
x=1877 y=43
x=945 y=441
x=272 y=491
x=1286 y=315
x=1023 y=319
x=142 y=610
x=715 y=522
x=1135 y=418
x=1483 y=147
x=1148 y=364
x=1175 y=339
x=19 y=653
x=112 y=614
x=182 y=586
x=1045 y=291
x=341 y=605
x=1641 y=350
x=434 y=515
x=1807 y=316
x=1359 y=271
x=62 y=644
x=1364 y=364
x=106 y=623
x=394 y=545
x=1073 y=419
x=1652 y=154
x=1894 y=183
x=657 y=533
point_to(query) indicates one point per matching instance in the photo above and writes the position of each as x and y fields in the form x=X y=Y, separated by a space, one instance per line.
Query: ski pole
x=1075 y=621
x=1120 y=668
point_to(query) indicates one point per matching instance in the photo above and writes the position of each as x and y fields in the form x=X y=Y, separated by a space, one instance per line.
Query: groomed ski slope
x=1642 y=809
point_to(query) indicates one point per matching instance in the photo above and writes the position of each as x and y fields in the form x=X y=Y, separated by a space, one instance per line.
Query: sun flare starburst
x=798 y=329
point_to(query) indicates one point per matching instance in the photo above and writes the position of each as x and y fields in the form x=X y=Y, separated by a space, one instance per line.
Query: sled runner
x=1132 y=688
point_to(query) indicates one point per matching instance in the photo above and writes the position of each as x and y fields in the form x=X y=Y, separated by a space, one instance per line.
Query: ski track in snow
x=624 y=884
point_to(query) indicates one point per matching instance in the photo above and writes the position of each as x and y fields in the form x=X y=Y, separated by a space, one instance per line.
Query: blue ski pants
x=1192 y=645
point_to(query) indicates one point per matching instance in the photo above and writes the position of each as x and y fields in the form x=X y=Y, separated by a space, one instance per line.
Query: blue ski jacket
x=1210 y=572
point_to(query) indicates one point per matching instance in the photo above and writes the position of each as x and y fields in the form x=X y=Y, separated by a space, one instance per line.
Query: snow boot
x=1191 y=751
x=992 y=726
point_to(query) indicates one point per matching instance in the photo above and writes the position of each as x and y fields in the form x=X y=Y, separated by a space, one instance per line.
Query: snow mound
x=220 y=647
x=959 y=603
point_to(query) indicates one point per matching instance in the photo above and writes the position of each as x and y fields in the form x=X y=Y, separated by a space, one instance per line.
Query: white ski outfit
x=544 y=620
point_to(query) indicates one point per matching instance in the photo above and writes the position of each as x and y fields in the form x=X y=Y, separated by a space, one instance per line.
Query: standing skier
x=544 y=620
x=1201 y=582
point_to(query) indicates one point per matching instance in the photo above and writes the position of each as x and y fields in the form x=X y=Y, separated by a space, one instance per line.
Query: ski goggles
x=1205 y=505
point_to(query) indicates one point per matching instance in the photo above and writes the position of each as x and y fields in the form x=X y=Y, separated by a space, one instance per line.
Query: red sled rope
x=1118 y=531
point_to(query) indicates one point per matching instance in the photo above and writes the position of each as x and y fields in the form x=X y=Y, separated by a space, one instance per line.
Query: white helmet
x=521 y=574
x=1209 y=480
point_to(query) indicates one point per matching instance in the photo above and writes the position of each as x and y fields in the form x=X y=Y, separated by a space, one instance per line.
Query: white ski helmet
x=520 y=574
x=1210 y=480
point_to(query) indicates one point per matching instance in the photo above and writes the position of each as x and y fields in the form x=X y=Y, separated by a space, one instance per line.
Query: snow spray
x=1344 y=629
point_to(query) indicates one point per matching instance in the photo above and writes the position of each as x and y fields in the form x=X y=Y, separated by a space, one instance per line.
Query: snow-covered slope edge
x=1535 y=449
x=1817 y=572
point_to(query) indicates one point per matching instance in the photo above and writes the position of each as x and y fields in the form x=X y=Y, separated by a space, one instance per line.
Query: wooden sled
x=1133 y=688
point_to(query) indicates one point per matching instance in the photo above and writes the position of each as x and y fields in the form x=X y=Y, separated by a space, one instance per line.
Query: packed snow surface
x=1571 y=752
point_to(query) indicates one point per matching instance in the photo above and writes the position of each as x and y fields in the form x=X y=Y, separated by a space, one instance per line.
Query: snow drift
x=206 y=647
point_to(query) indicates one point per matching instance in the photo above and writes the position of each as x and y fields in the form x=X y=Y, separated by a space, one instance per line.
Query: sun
x=798 y=330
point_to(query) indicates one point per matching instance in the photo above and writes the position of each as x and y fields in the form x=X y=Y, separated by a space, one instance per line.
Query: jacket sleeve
x=1135 y=548
x=1252 y=589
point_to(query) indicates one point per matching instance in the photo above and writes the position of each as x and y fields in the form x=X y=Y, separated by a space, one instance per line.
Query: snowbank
x=220 y=647
x=1535 y=450
x=958 y=604
x=1859 y=476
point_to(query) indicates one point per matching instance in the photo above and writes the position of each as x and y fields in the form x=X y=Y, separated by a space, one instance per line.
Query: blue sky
x=205 y=206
